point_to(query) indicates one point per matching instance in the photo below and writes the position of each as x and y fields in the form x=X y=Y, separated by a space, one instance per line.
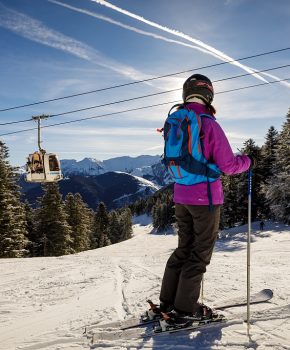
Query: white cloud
x=100 y=131
x=158 y=148
x=36 y=31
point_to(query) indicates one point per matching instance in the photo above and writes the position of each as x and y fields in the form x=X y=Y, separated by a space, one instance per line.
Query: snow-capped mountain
x=147 y=167
x=92 y=166
x=87 y=166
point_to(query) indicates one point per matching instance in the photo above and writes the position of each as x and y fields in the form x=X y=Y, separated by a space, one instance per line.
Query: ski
x=260 y=297
x=220 y=319
x=141 y=334
x=257 y=298
x=133 y=328
x=230 y=320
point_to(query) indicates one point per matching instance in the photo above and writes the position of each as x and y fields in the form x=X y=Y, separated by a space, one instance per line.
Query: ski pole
x=250 y=174
x=202 y=288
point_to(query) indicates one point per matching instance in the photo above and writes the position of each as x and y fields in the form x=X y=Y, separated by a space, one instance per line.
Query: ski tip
x=268 y=292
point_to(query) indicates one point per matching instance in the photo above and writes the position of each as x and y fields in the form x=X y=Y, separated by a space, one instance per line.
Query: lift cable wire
x=140 y=97
x=143 y=80
x=138 y=108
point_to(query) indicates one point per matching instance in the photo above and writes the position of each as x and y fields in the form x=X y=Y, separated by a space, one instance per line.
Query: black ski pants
x=197 y=233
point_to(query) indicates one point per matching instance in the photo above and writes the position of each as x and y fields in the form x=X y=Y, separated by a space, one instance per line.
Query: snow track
x=45 y=303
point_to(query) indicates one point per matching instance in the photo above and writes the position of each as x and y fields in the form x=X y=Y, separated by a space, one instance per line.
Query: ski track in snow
x=45 y=303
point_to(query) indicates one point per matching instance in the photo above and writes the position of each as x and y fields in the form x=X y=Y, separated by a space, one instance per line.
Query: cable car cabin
x=43 y=167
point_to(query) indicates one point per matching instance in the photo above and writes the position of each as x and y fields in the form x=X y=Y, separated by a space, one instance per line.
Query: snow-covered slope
x=46 y=302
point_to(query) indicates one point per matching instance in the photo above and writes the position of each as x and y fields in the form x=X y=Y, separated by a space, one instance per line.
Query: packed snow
x=46 y=303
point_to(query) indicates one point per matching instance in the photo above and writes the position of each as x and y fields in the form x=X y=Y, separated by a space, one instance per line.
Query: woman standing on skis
x=197 y=209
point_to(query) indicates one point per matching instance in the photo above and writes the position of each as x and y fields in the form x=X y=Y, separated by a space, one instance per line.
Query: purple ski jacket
x=218 y=151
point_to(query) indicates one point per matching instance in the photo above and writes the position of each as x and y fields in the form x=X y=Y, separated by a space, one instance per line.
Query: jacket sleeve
x=222 y=155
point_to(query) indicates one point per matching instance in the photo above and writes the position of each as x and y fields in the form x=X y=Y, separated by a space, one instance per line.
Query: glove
x=253 y=161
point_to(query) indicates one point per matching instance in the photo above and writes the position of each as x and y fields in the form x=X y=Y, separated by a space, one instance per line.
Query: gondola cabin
x=43 y=167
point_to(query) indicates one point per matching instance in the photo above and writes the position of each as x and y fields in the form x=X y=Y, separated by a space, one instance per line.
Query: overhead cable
x=136 y=109
x=141 y=97
x=143 y=80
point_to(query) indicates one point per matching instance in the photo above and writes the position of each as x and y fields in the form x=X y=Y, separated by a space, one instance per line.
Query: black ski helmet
x=199 y=86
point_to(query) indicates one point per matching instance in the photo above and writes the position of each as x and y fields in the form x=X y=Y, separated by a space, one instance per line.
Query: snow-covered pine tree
x=277 y=190
x=79 y=219
x=101 y=227
x=13 y=233
x=52 y=226
x=30 y=227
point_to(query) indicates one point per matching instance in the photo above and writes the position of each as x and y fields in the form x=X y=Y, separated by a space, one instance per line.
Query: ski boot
x=171 y=321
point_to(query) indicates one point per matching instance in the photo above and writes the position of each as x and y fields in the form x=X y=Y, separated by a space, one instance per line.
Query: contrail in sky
x=125 y=26
x=211 y=50
x=159 y=37
x=36 y=31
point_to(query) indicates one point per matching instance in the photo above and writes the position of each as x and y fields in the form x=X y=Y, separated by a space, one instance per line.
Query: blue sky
x=51 y=49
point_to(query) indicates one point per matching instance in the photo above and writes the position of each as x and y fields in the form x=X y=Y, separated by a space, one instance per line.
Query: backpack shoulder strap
x=207 y=116
x=178 y=106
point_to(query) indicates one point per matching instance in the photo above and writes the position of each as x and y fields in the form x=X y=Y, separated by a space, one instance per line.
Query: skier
x=262 y=224
x=197 y=211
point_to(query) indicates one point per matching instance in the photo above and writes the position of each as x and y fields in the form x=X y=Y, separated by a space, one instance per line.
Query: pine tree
x=78 y=217
x=150 y=204
x=13 y=233
x=115 y=230
x=138 y=207
x=53 y=228
x=268 y=160
x=101 y=227
x=230 y=214
x=125 y=221
x=170 y=208
x=277 y=190
x=156 y=214
x=268 y=153
x=163 y=211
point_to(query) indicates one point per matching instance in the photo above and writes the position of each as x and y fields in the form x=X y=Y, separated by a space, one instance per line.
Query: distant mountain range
x=148 y=167
x=92 y=166
x=116 y=181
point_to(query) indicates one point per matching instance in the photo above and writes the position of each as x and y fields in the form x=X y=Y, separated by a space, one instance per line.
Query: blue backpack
x=183 y=149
